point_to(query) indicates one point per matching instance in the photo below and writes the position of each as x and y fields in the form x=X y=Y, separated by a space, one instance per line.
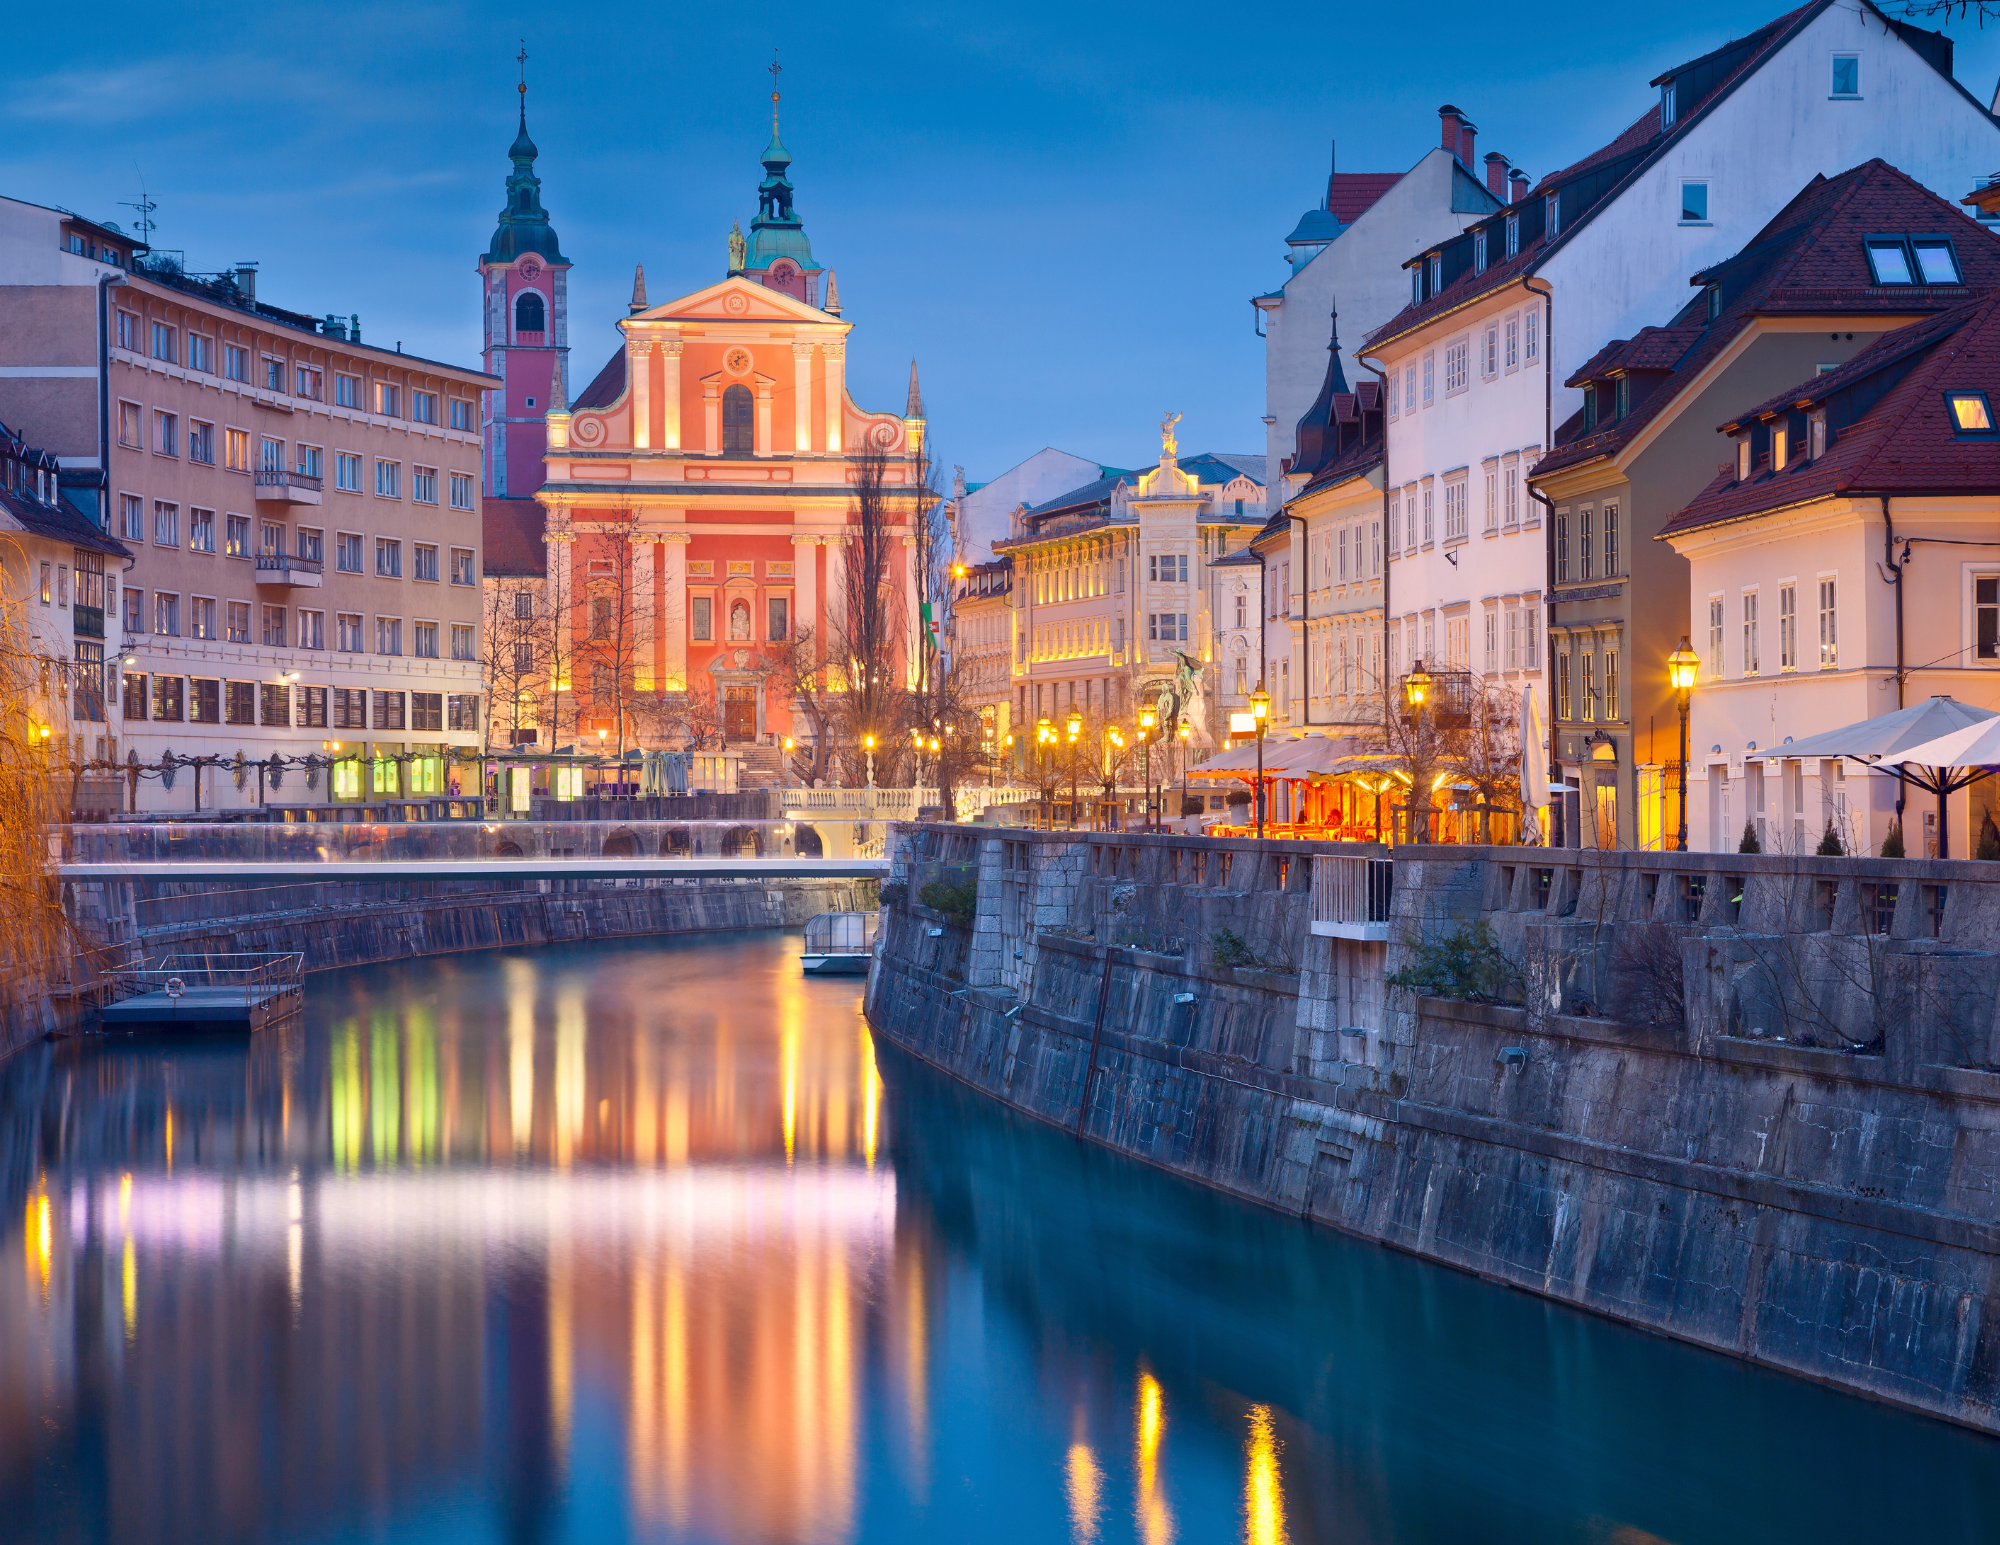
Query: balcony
x=277 y=486
x=88 y=620
x=287 y=572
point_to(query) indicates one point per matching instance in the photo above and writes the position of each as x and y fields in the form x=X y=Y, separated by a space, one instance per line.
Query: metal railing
x=1353 y=891
x=285 y=477
x=255 y=976
x=285 y=563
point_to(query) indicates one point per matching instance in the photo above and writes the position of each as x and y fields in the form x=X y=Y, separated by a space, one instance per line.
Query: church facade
x=695 y=504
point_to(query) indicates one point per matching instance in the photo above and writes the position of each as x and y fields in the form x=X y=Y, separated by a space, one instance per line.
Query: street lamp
x=1147 y=720
x=1683 y=665
x=1075 y=727
x=1417 y=693
x=1260 y=712
x=789 y=744
x=868 y=742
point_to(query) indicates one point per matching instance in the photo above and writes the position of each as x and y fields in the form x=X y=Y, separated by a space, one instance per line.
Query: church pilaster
x=673 y=606
x=645 y=613
x=802 y=397
x=640 y=364
x=836 y=394
x=670 y=396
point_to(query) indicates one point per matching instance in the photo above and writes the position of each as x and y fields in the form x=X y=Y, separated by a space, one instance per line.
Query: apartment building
x=302 y=514
x=981 y=644
x=1591 y=253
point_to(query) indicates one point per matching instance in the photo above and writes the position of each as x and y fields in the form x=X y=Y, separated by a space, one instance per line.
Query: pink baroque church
x=697 y=495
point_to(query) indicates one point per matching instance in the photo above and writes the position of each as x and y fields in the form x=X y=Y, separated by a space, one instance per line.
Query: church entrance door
x=739 y=714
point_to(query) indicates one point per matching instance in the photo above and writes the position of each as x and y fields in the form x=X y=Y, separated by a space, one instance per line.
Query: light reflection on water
x=635 y=1243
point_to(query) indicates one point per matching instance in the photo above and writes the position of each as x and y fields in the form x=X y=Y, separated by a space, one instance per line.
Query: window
x=235 y=362
x=237 y=619
x=204 y=702
x=1510 y=348
x=201 y=353
x=236 y=449
x=426 y=713
x=1611 y=558
x=1694 y=201
x=1511 y=488
x=128 y=335
x=1410 y=389
x=388 y=558
x=1531 y=336
x=274 y=373
x=48 y=583
x=201 y=531
x=424 y=562
x=163 y=343
x=1514 y=234
x=1788 y=628
x=1667 y=104
x=347 y=471
x=1846 y=76
x=274 y=627
x=1588 y=706
x=462 y=711
x=389 y=636
x=236 y=536
x=779 y=617
x=424 y=407
x=201 y=442
x=1937 y=260
x=312 y=708
x=350 y=708
x=600 y=618
x=1889 y=260
x=524 y=604
x=1611 y=684
x=166 y=614
x=131 y=518
x=1512 y=657
x=1436 y=266
x=1430 y=376
x=1817 y=435
x=135 y=610
x=529 y=312
x=306 y=382
x=347 y=391
x=739 y=422
x=424 y=641
x=1479 y=251
x=1971 y=414
x=272 y=454
x=201 y=617
x=461 y=490
x=1565 y=704
x=461 y=566
x=166 y=524
x=166 y=434
x=310 y=461
x=424 y=485
x=1586 y=522
x=1752 y=659
x=131 y=425
x=701 y=618
x=461 y=641
x=1829 y=626
x=1395 y=521
x=1781 y=445
x=135 y=696
x=1454 y=510
x=388 y=479
x=1743 y=467
x=388 y=399
x=1562 y=548
x=312 y=630
x=461 y=413
x=1455 y=354
x=1375 y=547
x=1492 y=641
x=347 y=630
x=167 y=700
x=275 y=702
x=389 y=714
x=1489 y=352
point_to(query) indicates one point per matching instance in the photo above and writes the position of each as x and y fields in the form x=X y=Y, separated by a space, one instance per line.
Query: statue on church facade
x=737 y=247
x=1169 y=445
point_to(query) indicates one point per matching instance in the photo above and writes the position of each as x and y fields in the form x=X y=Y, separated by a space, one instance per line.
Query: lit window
x=1846 y=80
x=1986 y=615
x=1889 y=260
x=1694 y=203
x=1970 y=413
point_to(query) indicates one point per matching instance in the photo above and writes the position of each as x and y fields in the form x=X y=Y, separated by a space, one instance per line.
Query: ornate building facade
x=699 y=501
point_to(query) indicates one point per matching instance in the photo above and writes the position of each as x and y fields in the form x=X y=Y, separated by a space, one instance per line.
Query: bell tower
x=524 y=283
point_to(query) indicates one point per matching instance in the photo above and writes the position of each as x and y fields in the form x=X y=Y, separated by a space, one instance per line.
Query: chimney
x=246 y=281
x=1466 y=132
x=1496 y=175
x=1449 y=119
x=1517 y=185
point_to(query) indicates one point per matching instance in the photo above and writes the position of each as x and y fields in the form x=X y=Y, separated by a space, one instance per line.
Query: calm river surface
x=650 y=1242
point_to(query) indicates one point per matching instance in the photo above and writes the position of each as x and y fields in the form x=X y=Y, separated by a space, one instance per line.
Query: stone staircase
x=761 y=767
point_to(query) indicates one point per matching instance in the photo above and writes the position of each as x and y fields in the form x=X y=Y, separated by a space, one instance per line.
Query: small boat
x=839 y=943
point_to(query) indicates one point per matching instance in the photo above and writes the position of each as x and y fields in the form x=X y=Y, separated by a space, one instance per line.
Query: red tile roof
x=1350 y=195
x=1904 y=444
x=511 y=539
x=1809 y=259
x=606 y=387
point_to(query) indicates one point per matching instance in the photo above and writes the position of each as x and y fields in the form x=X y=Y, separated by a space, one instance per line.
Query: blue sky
x=1061 y=211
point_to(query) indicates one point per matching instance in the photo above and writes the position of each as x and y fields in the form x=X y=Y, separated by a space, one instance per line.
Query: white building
x=1595 y=251
x=1343 y=255
x=983 y=513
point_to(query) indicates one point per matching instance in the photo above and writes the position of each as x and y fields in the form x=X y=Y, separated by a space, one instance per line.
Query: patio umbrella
x=1904 y=740
x=1951 y=762
x=1534 y=755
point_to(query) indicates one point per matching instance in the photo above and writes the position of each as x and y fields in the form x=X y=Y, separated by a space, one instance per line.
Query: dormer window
x=1479 y=251
x=1436 y=264
x=1552 y=216
x=1714 y=301
x=1743 y=459
x=1590 y=407
x=1624 y=391
x=1417 y=285
x=1971 y=415
x=1667 y=104
x=1816 y=435
x=1781 y=444
x=1514 y=235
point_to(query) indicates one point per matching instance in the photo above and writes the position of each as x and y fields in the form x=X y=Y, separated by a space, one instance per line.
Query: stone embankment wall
x=1784 y=1144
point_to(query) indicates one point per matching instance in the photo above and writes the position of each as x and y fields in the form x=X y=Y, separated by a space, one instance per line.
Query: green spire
x=524 y=224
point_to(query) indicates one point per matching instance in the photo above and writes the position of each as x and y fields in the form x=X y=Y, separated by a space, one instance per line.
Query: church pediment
x=737 y=299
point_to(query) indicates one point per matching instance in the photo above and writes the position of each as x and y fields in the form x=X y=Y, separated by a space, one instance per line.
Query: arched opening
x=677 y=843
x=742 y=842
x=529 y=314
x=806 y=843
x=621 y=845
x=506 y=849
x=739 y=422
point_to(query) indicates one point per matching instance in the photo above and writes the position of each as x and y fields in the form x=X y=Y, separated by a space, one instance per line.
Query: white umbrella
x=1534 y=754
x=1886 y=735
x=1949 y=763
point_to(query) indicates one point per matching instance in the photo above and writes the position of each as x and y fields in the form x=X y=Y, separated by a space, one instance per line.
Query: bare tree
x=613 y=630
x=1465 y=730
x=867 y=641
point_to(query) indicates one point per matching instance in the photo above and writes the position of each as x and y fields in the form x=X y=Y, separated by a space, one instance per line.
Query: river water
x=650 y=1242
